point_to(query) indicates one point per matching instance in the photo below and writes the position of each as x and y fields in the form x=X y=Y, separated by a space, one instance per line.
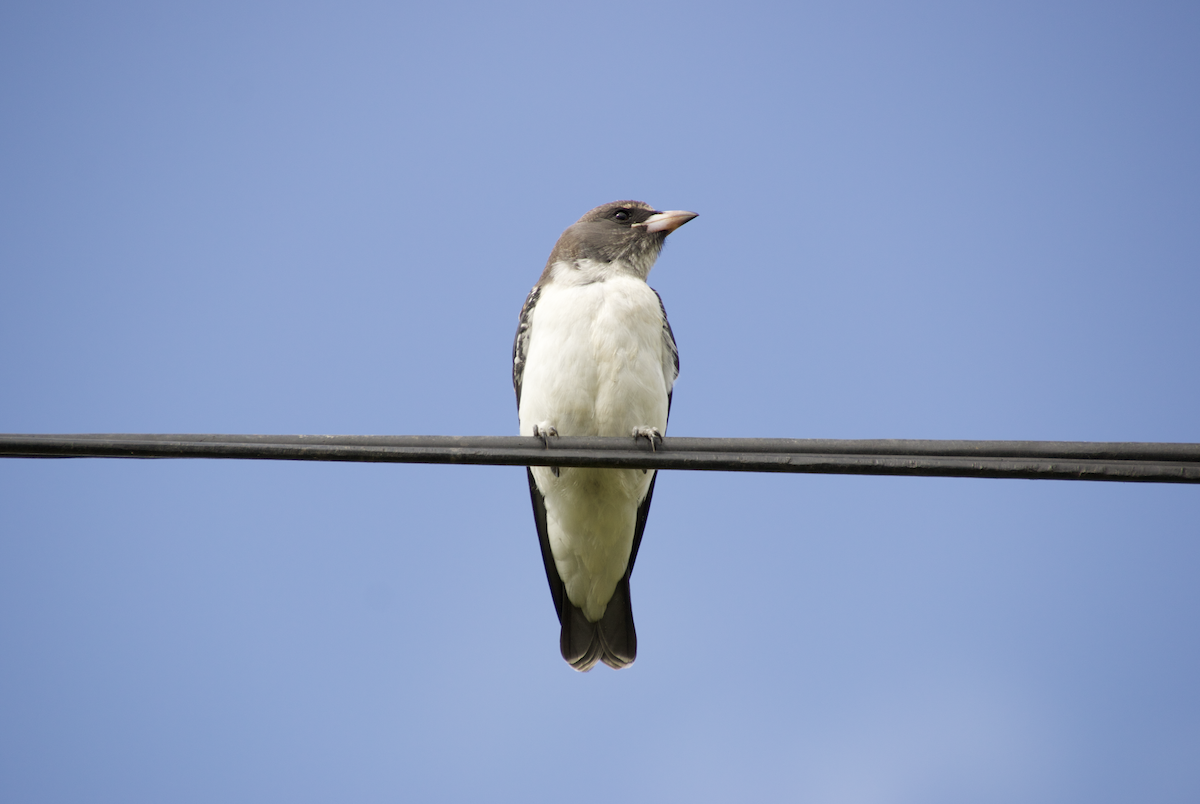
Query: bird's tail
x=612 y=640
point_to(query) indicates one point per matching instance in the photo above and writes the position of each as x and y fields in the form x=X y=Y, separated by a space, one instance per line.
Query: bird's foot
x=651 y=434
x=546 y=431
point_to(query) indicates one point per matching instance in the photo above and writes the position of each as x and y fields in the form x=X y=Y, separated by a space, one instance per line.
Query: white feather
x=595 y=367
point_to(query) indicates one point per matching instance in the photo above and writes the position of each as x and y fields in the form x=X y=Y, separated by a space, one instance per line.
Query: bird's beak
x=667 y=221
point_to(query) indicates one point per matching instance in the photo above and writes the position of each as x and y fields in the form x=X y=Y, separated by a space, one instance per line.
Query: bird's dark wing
x=670 y=358
x=521 y=341
x=639 y=526
x=539 y=520
x=670 y=374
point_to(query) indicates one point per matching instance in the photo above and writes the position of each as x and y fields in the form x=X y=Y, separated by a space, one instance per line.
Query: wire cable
x=1046 y=460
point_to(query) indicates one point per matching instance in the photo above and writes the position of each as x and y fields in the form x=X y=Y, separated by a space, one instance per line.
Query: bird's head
x=626 y=235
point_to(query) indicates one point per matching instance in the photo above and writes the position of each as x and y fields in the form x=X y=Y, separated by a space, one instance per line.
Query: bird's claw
x=546 y=432
x=651 y=434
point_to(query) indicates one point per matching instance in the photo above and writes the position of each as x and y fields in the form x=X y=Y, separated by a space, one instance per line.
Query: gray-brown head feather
x=610 y=233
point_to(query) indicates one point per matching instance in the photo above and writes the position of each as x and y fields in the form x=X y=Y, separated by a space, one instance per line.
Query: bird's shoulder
x=670 y=348
x=521 y=340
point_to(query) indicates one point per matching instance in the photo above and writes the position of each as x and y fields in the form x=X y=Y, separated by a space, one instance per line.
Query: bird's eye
x=621 y=214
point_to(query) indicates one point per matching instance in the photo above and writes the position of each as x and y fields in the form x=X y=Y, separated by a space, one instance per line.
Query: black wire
x=1050 y=460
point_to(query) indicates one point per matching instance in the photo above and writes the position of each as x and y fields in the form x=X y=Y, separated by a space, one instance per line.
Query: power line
x=1047 y=460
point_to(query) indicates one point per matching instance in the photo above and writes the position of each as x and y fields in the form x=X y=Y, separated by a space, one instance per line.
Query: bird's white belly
x=594 y=366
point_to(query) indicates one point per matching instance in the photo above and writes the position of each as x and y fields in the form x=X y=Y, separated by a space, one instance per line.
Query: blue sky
x=926 y=221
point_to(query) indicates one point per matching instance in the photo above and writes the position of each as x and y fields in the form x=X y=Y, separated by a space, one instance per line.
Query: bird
x=594 y=355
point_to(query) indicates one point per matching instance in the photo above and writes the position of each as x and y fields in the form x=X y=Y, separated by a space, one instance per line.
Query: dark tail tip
x=612 y=640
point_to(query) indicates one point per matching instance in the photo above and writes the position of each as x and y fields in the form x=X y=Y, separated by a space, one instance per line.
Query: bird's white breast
x=594 y=366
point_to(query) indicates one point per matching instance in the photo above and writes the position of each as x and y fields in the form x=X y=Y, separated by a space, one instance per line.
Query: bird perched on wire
x=595 y=356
